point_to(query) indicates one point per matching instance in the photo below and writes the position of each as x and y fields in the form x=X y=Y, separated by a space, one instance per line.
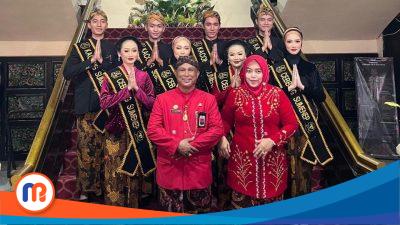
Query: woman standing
x=226 y=78
x=126 y=91
x=308 y=147
x=264 y=120
x=236 y=51
x=166 y=79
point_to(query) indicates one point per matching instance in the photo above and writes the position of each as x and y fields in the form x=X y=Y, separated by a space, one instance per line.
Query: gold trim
x=301 y=125
x=94 y=83
x=161 y=80
x=216 y=74
x=131 y=143
x=304 y=150
x=95 y=118
x=194 y=54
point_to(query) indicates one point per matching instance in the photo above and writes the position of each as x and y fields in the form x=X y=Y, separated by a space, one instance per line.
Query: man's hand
x=185 y=148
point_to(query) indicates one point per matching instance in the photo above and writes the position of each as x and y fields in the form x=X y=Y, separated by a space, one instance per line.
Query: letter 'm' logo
x=35 y=192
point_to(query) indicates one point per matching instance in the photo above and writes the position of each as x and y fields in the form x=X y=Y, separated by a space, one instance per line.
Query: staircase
x=53 y=151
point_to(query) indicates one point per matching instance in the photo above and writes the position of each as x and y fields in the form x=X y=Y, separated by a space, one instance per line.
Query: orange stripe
x=73 y=209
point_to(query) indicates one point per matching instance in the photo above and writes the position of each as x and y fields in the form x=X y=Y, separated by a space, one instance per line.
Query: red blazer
x=269 y=115
x=166 y=129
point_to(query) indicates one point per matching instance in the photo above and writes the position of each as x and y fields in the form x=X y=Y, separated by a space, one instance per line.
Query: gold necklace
x=186 y=119
x=185 y=116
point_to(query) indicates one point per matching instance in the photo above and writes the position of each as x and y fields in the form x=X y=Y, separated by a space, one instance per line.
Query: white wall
x=234 y=13
x=117 y=12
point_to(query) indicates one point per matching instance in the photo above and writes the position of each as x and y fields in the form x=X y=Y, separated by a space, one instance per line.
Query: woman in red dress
x=263 y=120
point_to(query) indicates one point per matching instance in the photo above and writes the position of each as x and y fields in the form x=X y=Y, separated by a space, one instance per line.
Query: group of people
x=212 y=118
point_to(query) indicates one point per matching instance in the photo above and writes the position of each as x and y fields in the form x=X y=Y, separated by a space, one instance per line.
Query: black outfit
x=165 y=52
x=276 y=53
x=220 y=49
x=220 y=46
x=85 y=97
x=305 y=177
x=309 y=77
x=203 y=82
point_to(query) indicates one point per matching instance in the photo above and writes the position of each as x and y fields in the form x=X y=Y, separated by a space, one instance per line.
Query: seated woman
x=264 y=120
x=126 y=91
x=305 y=85
x=236 y=51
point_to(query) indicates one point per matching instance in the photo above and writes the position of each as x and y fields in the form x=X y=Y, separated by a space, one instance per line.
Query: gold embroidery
x=243 y=166
x=276 y=163
x=113 y=196
x=269 y=97
x=112 y=147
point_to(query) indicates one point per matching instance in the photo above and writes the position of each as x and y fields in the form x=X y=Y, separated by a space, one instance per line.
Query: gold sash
x=223 y=79
x=256 y=44
x=167 y=78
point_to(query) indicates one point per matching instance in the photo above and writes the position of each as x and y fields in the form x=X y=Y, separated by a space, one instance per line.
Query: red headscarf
x=264 y=69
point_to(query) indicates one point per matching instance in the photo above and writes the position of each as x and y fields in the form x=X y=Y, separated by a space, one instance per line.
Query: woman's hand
x=236 y=81
x=132 y=84
x=263 y=146
x=294 y=83
x=298 y=80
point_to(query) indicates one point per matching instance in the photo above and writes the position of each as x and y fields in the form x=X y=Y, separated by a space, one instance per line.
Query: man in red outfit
x=185 y=124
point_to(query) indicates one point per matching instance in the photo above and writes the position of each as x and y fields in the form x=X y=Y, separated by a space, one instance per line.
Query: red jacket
x=167 y=128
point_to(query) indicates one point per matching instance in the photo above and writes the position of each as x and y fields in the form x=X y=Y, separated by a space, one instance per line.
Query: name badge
x=201 y=120
x=175 y=109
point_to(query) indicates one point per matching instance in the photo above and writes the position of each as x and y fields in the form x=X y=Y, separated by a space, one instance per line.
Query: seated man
x=185 y=124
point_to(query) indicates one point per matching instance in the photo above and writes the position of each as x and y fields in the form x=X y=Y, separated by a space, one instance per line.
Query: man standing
x=154 y=53
x=185 y=124
x=85 y=66
x=209 y=49
x=264 y=43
